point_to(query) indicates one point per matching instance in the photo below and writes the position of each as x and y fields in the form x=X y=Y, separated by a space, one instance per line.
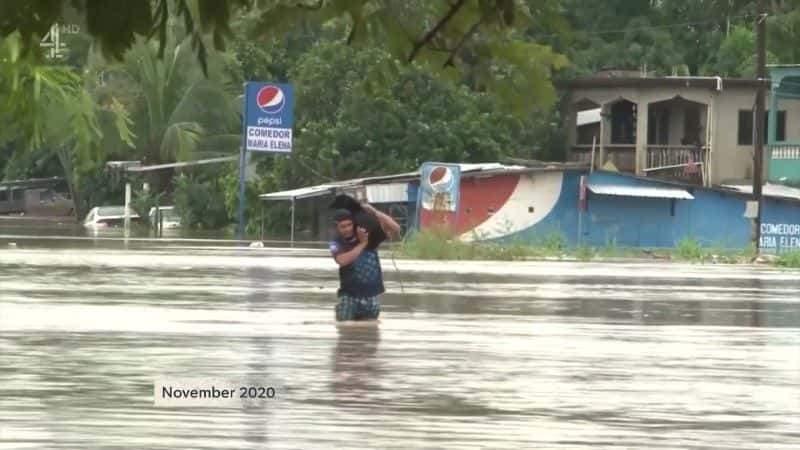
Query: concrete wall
x=536 y=208
x=642 y=98
x=729 y=160
x=713 y=218
x=734 y=161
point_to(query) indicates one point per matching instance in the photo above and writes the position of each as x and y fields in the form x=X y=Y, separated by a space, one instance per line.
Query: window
x=747 y=127
x=4 y=195
x=623 y=123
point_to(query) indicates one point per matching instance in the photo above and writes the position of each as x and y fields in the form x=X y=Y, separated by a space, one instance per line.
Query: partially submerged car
x=169 y=217
x=109 y=217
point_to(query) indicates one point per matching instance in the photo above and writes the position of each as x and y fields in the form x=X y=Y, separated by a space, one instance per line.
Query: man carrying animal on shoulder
x=360 y=229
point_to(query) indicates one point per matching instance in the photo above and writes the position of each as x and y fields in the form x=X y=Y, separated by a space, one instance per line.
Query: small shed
x=394 y=194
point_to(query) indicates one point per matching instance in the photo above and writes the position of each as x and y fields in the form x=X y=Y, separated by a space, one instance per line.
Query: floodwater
x=554 y=355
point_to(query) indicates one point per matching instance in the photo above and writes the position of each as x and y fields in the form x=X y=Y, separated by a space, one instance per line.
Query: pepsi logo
x=270 y=99
x=440 y=178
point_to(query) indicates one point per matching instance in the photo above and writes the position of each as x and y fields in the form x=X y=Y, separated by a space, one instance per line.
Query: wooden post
x=127 y=208
x=291 y=241
x=758 y=145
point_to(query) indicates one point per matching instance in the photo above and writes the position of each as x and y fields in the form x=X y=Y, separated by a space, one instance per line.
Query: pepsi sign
x=440 y=186
x=268 y=117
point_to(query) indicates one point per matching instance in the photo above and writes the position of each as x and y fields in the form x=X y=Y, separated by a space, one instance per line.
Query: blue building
x=531 y=204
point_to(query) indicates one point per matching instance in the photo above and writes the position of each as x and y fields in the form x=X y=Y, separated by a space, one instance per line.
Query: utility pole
x=758 y=145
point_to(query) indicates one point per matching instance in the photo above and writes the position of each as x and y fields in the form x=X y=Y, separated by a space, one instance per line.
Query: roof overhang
x=30 y=183
x=666 y=82
x=301 y=193
x=639 y=191
x=769 y=190
x=514 y=166
x=589 y=116
x=222 y=159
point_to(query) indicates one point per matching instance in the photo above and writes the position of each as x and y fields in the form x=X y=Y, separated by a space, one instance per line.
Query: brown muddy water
x=469 y=355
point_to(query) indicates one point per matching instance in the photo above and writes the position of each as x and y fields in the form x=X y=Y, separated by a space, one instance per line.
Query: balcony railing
x=783 y=165
x=674 y=156
x=679 y=162
x=784 y=151
x=623 y=156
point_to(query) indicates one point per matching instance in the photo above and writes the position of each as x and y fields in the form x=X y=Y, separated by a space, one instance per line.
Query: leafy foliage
x=382 y=85
x=174 y=105
x=470 y=40
x=115 y=32
x=49 y=110
x=200 y=204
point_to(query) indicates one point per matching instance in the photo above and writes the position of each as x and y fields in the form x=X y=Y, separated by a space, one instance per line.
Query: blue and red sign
x=440 y=186
x=268 y=117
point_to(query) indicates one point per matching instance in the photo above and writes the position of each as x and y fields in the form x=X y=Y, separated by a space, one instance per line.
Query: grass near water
x=438 y=245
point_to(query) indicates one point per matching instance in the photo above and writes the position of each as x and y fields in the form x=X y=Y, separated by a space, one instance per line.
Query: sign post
x=266 y=127
x=581 y=207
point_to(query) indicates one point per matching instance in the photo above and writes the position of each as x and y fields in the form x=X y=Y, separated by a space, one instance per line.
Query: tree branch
x=432 y=32
x=463 y=41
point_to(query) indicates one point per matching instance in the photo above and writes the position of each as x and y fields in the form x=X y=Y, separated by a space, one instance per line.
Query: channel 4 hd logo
x=53 y=40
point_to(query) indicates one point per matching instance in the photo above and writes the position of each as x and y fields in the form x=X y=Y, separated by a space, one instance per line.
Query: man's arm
x=347 y=258
x=389 y=226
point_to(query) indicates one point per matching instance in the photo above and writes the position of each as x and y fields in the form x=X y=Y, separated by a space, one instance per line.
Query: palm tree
x=178 y=113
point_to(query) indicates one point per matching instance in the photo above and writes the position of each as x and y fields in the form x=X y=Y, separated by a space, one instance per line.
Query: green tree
x=178 y=114
x=117 y=32
x=49 y=113
x=437 y=34
x=343 y=132
x=736 y=56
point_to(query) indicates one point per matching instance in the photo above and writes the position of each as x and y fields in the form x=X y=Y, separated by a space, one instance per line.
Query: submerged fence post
x=127 y=208
x=291 y=238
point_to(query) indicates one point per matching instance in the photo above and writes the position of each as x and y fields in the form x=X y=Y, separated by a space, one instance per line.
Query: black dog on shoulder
x=361 y=218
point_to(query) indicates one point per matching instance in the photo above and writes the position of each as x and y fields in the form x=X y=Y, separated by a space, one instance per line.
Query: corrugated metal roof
x=483 y=167
x=769 y=190
x=305 y=192
x=322 y=189
x=639 y=191
x=30 y=183
x=181 y=164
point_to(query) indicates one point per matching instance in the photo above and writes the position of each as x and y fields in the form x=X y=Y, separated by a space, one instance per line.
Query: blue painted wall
x=714 y=218
x=780 y=226
x=561 y=223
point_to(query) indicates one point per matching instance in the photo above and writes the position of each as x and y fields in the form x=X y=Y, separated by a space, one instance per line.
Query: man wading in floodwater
x=360 y=274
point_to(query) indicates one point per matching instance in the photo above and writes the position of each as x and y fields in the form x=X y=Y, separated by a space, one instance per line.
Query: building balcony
x=623 y=156
x=674 y=156
x=784 y=163
x=678 y=162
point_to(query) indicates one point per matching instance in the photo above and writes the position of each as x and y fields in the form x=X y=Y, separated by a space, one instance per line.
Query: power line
x=652 y=27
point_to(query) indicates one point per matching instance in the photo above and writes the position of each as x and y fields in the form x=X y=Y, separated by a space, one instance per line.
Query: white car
x=109 y=217
x=169 y=217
